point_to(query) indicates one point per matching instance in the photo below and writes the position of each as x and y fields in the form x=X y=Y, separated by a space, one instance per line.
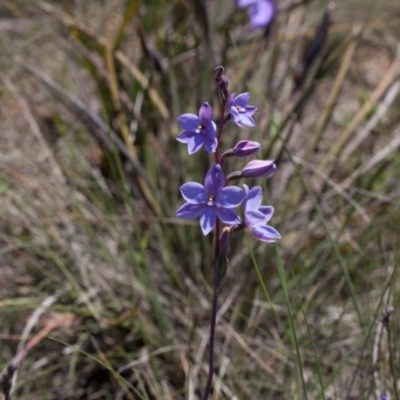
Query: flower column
x=216 y=201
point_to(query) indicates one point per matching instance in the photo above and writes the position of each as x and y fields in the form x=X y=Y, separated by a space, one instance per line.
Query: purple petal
x=228 y=216
x=185 y=136
x=210 y=145
x=189 y=211
x=268 y=211
x=230 y=197
x=234 y=113
x=254 y=218
x=189 y=122
x=208 y=220
x=214 y=180
x=205 y=113
x=245 y=120
x=265 y=233
x=250 y=110
x=244 y=202
x=245 y=3
x=242 y=100
x=211 y=130
x=261 y=13
x=193 y=193
x=195 y=143
x=254 y=198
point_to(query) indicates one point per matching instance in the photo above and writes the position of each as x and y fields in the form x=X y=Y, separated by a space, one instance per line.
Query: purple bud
x=258 y=169
x=224 y=83
x=246 y=148
x=218 y=71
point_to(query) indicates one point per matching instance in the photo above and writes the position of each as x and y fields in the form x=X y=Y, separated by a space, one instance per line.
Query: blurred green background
x=109 y=292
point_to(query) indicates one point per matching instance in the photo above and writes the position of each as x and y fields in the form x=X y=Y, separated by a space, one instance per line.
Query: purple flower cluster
x=217 y=200
x=260 y=12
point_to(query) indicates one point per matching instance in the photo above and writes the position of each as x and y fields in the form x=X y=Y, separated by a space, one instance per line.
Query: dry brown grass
x=87 y=253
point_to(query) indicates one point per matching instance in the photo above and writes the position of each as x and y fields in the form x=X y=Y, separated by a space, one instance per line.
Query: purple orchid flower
x=241 y=112
x=198 y=130
x=211 y=200
x=260 y=12
x=256 y=215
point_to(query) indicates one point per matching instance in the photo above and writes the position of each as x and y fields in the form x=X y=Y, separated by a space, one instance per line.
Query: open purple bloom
x=198 y=130
x=240 y=111
x=260 y=12
x=211 y=200
x=256 y=216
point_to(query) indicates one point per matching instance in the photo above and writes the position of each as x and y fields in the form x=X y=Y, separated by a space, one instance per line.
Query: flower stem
x=220 y=127
x=207 y=390
x=217 y=275
x=216 y=290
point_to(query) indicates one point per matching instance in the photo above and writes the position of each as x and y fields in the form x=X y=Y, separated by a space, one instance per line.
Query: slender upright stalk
x=217 y=275
x=216 y=201
x=216 y=290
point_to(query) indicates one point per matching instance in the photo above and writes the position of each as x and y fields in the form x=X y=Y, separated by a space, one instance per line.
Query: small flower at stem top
x=258 y=169
x=211 y=200
x=260 y=12
x=241 y=113
x=198 y=130
x=256 y=215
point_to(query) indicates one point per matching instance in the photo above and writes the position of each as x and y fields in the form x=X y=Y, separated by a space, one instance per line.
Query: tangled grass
x=105 y=295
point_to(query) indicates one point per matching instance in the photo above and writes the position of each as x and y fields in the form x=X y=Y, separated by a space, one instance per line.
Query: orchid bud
x=223 y=84
x=222 y=81
x=246 y=148
x=258 y=169
x=218 y=71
